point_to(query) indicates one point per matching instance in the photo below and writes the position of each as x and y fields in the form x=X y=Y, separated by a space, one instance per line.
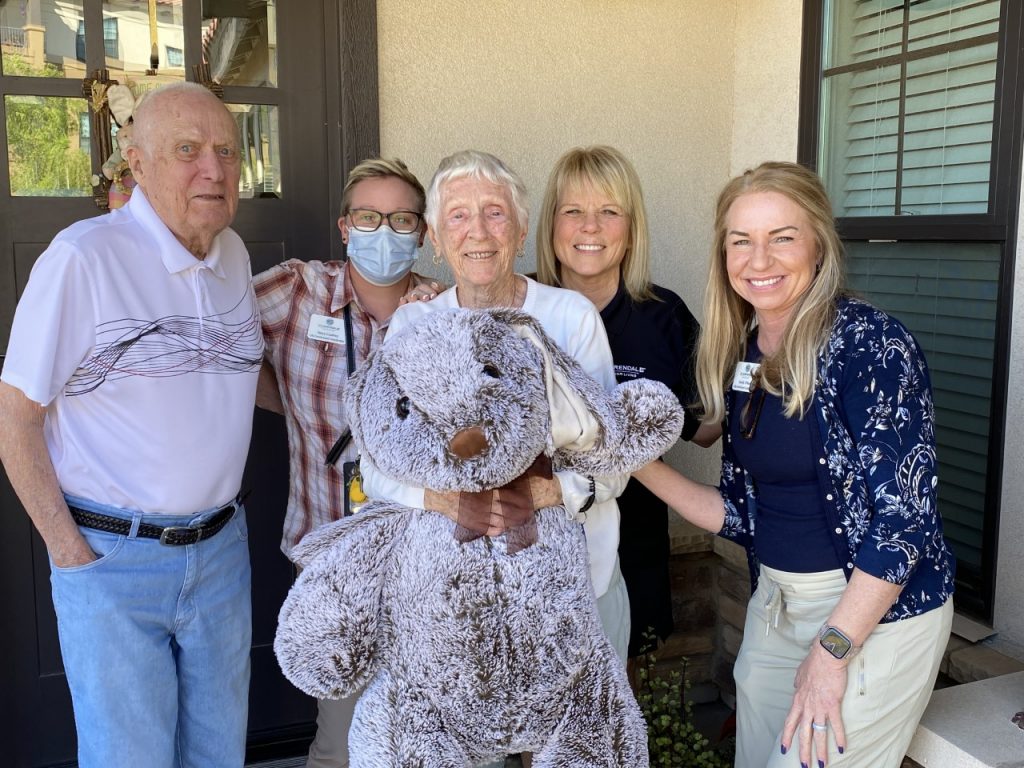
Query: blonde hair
x=382 y=168
x=792 y=370
x=606 y=169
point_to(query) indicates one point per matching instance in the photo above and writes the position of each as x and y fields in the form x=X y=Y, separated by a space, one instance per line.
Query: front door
x=299 y=77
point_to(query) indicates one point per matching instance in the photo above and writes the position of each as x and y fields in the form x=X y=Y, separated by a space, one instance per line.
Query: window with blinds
x=907 y=105
x=946 y=294
x=906 y=117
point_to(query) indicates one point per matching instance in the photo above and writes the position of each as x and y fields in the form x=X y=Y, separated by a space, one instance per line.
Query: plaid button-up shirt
x=311 y=377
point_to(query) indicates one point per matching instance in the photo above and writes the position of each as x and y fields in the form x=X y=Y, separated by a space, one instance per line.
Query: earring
x=437 y=259
x=521 y=253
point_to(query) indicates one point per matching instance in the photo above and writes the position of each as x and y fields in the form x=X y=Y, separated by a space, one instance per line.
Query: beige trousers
x=330 y=745
x=889 y=683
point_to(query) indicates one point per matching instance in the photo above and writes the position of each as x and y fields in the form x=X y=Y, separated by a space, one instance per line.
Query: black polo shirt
x=650 y=340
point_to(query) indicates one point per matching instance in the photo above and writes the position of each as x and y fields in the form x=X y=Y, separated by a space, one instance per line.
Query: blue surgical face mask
x=382 y=257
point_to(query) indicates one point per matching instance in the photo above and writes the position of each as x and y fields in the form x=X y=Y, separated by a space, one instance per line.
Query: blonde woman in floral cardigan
x=828 y=481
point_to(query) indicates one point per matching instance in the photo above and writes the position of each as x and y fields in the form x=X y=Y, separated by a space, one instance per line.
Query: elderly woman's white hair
x=473 y=163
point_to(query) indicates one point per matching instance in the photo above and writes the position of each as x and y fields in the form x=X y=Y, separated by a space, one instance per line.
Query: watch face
x=835 y=642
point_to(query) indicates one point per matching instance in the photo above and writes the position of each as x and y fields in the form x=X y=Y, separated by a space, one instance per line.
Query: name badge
x=744 y=373
x=324 y=328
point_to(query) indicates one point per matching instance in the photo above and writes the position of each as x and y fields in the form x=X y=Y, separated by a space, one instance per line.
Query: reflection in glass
x=44 y=151
x=39 y=39
x=261 y=150
x=240 y=41
x=136 y=39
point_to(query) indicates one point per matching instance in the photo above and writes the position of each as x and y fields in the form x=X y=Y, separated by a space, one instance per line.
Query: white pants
x=888 y=687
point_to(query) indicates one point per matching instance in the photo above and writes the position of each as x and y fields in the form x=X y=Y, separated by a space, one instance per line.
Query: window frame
x=179 y=53
x=81 y=47
x=999 y=225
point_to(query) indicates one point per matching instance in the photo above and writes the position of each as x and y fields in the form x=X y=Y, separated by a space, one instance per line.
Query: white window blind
x=907 y=106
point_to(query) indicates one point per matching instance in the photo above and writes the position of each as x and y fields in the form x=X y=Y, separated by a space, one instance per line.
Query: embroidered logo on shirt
x=630 y=371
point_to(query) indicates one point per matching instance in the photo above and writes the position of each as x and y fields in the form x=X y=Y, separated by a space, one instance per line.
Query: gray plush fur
x=467 y=652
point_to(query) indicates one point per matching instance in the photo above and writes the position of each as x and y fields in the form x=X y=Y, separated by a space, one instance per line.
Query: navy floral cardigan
x=876 y=465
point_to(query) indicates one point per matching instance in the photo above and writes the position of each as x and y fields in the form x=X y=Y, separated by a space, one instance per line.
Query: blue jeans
x=155 y=641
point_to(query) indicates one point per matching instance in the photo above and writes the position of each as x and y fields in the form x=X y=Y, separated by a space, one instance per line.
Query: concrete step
x=969 y=726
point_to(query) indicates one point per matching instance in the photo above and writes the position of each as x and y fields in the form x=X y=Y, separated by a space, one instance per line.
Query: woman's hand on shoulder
x=422 y=292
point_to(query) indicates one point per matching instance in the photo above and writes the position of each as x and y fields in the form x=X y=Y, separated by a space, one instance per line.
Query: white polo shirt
x=146 y=359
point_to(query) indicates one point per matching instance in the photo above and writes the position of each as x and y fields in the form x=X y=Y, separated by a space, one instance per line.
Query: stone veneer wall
x=710 y=589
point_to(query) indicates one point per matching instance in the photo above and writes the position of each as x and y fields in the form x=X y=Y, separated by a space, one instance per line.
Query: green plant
x=42 y=138
x=672 y=738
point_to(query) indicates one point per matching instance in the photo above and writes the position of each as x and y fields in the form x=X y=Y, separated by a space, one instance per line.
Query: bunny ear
x=574 y=426
x=581 y=417
x=122 y=103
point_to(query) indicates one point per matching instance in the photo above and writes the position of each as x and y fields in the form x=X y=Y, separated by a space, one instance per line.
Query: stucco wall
x=690 y=90
x=1009 y=616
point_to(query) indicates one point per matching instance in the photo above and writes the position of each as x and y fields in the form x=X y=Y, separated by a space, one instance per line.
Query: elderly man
x=126 y=400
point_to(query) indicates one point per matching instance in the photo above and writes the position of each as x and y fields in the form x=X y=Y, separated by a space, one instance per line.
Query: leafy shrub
x=673 y=740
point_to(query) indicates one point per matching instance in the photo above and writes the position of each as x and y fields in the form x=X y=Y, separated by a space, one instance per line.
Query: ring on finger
x=821 y=727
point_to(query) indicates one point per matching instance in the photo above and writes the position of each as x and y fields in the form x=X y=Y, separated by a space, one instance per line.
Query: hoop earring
x=437 y=259
x=521 y=253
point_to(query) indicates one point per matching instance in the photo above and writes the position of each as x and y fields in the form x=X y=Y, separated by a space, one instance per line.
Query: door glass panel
x=129 y=23
x=240 y=41
x=40 y=39
x=261 y=150
x=45 y=152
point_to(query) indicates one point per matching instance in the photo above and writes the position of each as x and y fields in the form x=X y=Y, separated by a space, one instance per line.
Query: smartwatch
x=836 y=642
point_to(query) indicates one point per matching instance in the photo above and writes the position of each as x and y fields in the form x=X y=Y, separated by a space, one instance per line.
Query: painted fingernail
x=821 y=764
x=803 y=765
x=783 y=749
x=841 y=749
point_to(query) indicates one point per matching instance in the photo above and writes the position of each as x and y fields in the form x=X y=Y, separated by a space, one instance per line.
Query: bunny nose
x=468 y=443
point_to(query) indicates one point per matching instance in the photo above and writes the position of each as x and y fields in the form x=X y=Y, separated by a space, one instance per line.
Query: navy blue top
x=792 y=529
x=652 y=340
x=875 y=449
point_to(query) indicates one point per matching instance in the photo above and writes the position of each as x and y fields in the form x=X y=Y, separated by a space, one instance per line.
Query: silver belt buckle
x=171 y=530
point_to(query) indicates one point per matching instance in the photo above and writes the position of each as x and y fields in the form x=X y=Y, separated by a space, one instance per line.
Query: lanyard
x=346 y=436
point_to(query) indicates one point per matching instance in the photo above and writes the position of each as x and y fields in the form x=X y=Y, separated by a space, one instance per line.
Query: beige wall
x=690 y=90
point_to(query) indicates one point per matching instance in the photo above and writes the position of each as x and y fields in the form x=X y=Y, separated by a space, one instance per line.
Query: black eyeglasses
x=367 y=220
x=751 y=411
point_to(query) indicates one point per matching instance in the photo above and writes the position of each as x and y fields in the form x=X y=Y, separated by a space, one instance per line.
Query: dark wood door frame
x=328 y=117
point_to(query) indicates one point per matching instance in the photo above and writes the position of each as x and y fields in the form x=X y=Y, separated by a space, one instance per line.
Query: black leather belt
x=171 y=535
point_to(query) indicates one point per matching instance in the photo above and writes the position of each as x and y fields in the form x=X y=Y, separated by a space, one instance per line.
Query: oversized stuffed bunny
x=470 y=646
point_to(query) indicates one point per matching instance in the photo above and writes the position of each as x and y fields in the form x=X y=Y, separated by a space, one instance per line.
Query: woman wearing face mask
x=320 y=321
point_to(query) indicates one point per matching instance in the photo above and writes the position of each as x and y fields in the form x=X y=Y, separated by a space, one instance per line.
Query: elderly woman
x=592 y=238
x=828 y=480
x=477 y=221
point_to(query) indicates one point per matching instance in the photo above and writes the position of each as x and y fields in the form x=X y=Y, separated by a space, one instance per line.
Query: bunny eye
x=402 y=407
x=491 y=371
